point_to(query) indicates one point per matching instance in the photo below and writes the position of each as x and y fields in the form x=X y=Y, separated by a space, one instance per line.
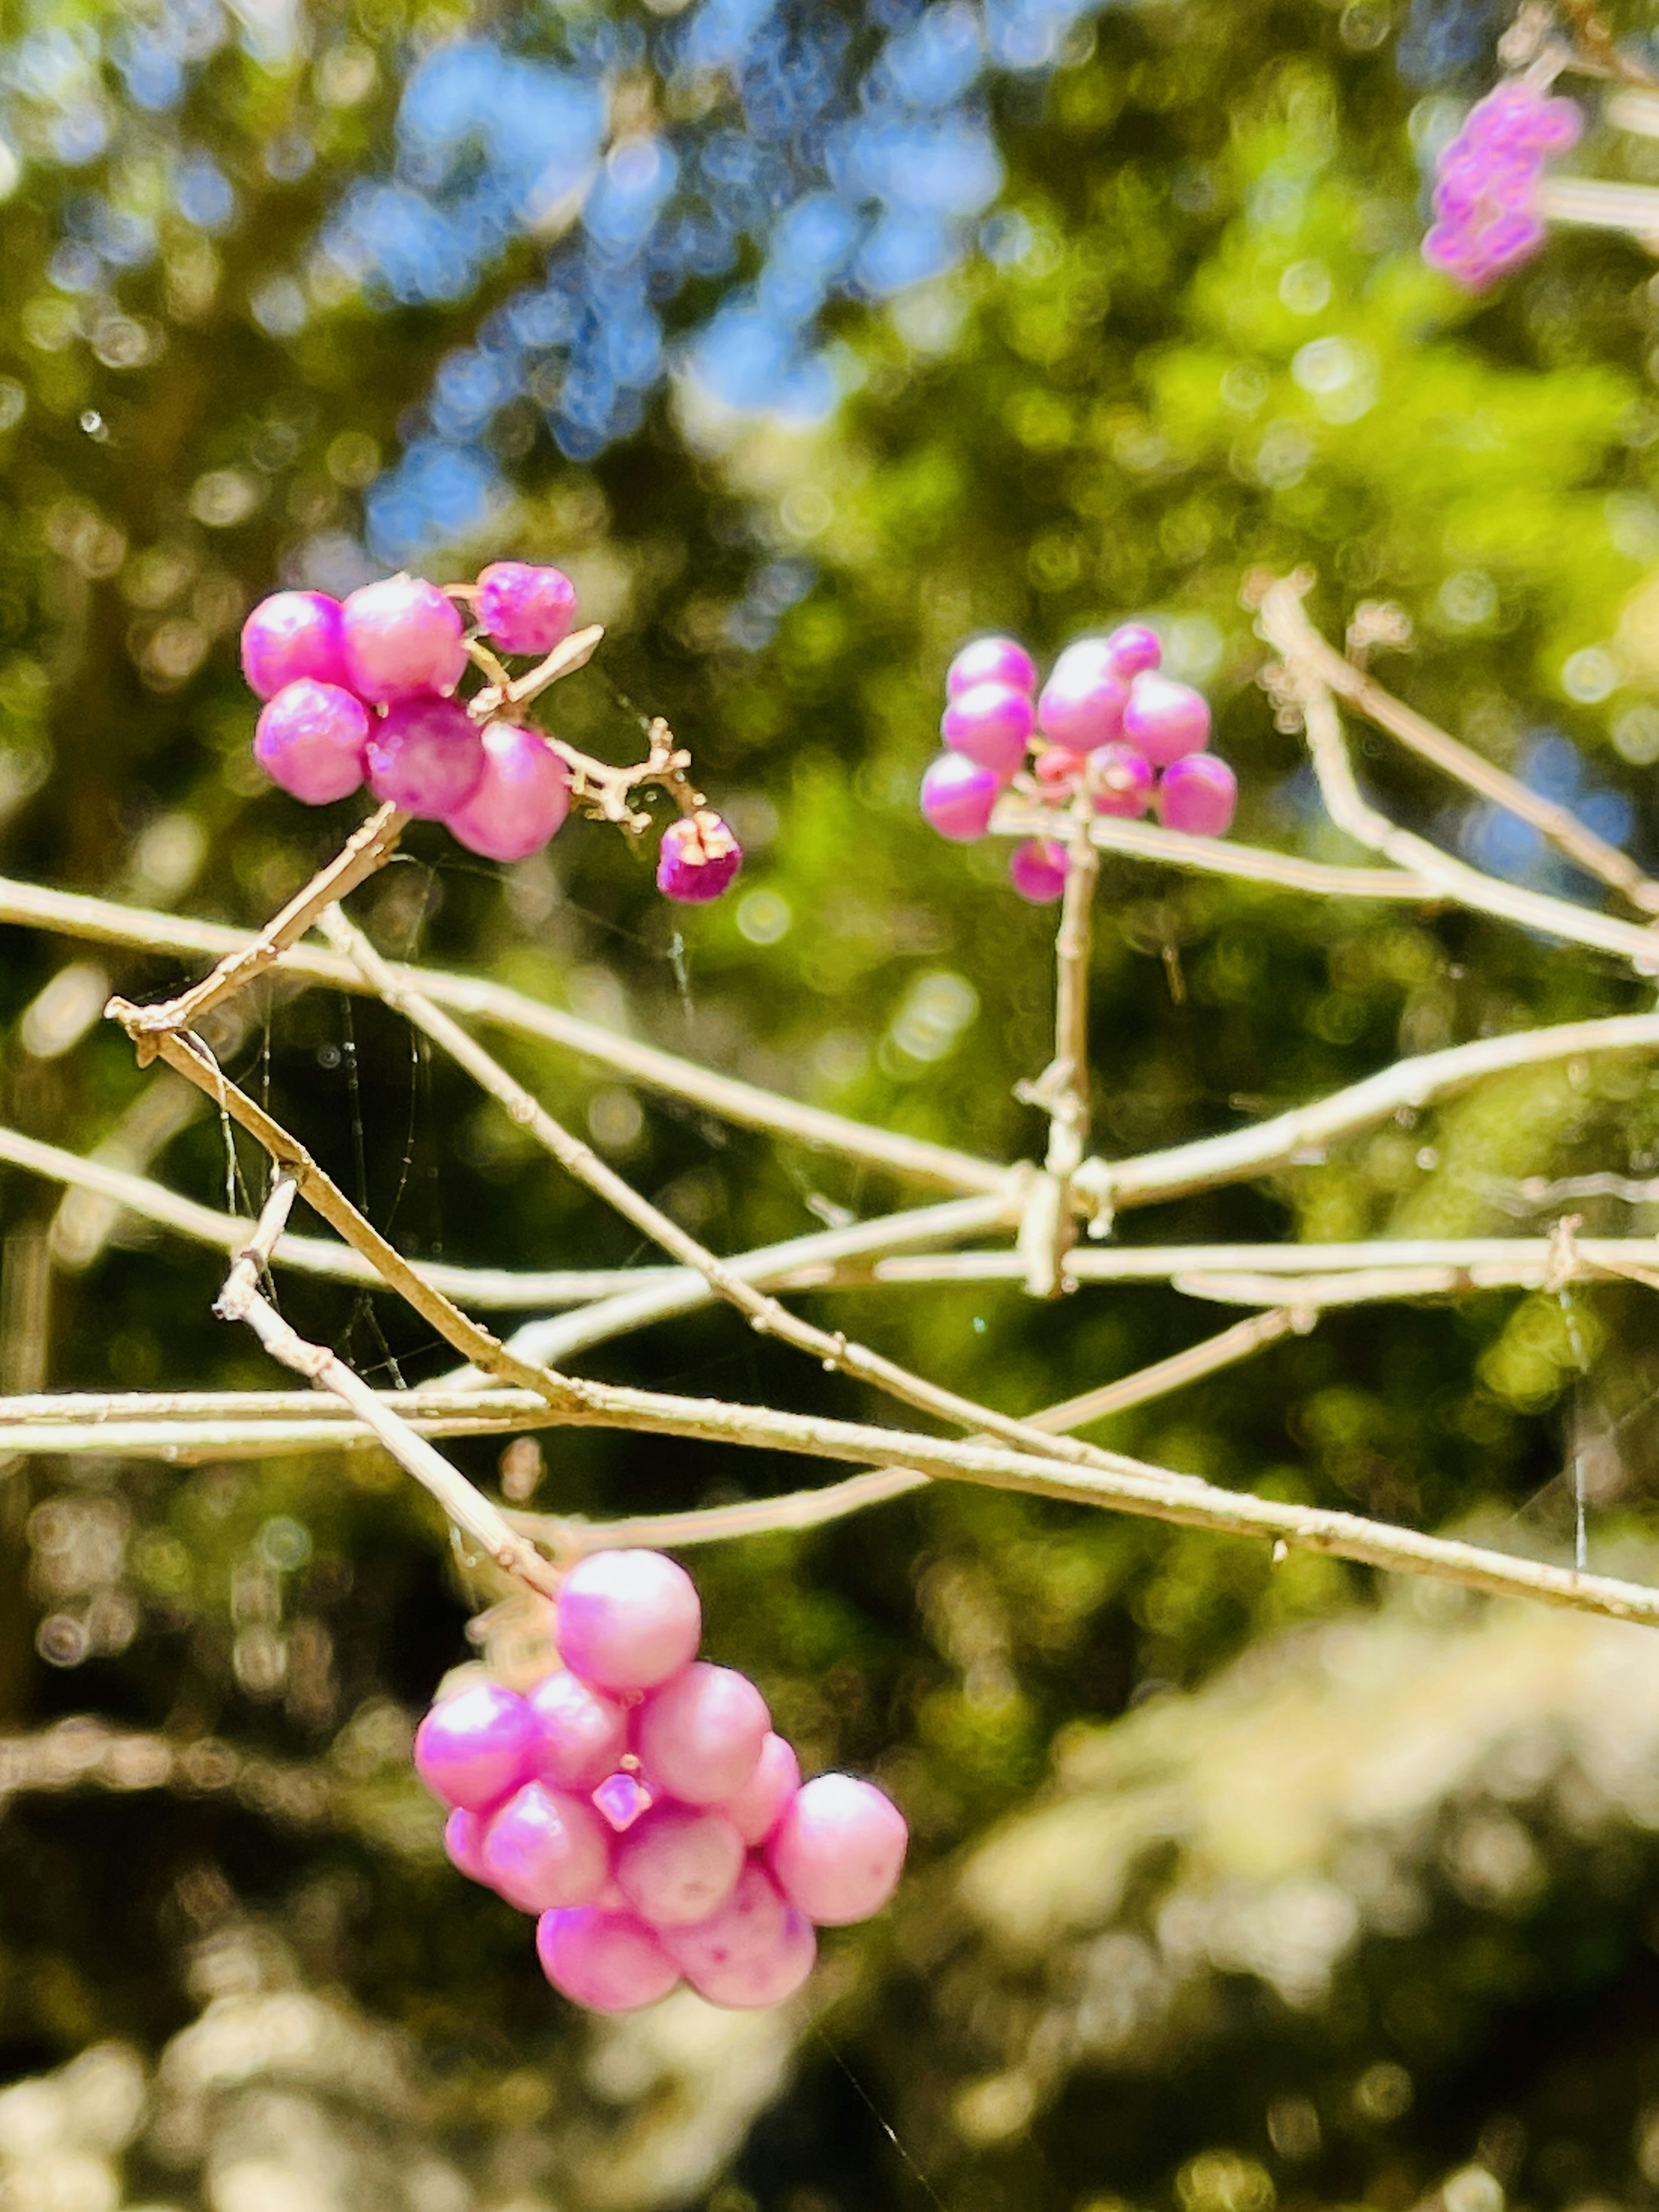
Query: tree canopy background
x=812 y=339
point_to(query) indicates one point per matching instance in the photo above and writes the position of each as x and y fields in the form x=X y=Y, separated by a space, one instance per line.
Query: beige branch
x=1049 y=1227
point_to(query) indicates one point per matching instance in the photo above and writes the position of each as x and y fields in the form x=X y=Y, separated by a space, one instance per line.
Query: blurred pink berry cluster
x=638 y=1801
x=1487 y=213
x=363 y=691
x=1108 y=723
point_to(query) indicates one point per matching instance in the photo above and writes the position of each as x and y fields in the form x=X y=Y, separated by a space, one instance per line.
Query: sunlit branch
x=1047 y=1227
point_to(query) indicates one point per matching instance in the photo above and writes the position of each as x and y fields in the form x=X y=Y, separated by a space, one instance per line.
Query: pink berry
x=622 y=1798
x=838 y=1852
x=990 y=660
x=697 y=859
x=1198 y=794
x=1037 y=870
x=311 y=738
x=756 y=1950
x=1054 y=767
x=1165 y=719
x=474 y=1749
x=1133 y=647
x=1121 y=781
x=546 y=1848
x=578 y=1735
x=958 y=798
x=521 y=799
x=291 y=636
x=699 y=1737
x=464 y=1834
x=678 y=1864
x=525 y=609
x=756 y=1808
x=627 y=1620
x=605 y=1960
x=1082 y=703
x=402 y=636
x=425 y=755
x=991 y=724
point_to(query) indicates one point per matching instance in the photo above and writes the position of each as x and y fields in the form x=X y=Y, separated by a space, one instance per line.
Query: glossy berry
x=464 y=1835
x=1165 y=719
x=838 y=1852
x=291 y=637
x=1487 y=204
x=474 y=1748
x=1082 y=703
x=1121 y=781
x=402 y=637
x=426 y=757
x=525 y=609
x=1037 y=870
x=519 y=800
x=991 y=660
x=756 y=1950
x=606 y=1960
x=627 y=1620
x=992 y=724
x=699 y=1737
x=758 y=1807
x=312 y=738
x=546 y=1848
x=1055 y=768
x=622 y=1798
x=578 y=1735
x=958 y=798
x=1133 y=646
x=678 y=1864
x=697 y=859
x=1198 y=794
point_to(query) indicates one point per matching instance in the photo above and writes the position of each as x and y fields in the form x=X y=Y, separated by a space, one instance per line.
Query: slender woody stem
x=1048 y=1226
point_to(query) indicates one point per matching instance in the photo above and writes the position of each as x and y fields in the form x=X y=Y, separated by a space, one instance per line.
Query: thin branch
x=468 y=1509
x=1469 y=1262
x=1219 y=856
x=1048 y=1226
x=1602 y=206
x=1304 y=1135
x=102 y=921
x=1289 y=630
x=1466 y=886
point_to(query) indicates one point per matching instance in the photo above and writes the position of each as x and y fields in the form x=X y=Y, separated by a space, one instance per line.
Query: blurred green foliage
x=1218 y=352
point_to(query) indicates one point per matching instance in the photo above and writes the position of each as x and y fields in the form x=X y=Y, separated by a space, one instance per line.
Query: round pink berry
x=291 y=636
x=546 y=1848
x=992 y=724
x=578 y=1735
x=838 y=1852
x=1165 y=719
x=991 y=660
x=627 y=1620
x=756 y=1950
x=1121 y=781
x=402 y=636
x=525 y=609
x=312 y=738
x=1082 y=703
x=959 y=797
x=678 y=1864
x=697 y=859
x=699 y=1737
x=519 y=800
x=1057 y=769
x=464 y=1835
x=1037 y=869
x=607 y=1961
x=1198 y=794
x=426 y=756
x=756 y=1808
x=1133 y=646
x=473 y=1749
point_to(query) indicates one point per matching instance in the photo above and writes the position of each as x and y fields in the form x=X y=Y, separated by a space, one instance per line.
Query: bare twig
x=1286 y=624
x=1047 y=1227
x=469 y=1510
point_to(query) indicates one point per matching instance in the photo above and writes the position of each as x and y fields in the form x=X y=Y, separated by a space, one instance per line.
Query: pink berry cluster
x=1487 y=213
x=638 y=1801
x=1108 y=723
x=364 y=691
